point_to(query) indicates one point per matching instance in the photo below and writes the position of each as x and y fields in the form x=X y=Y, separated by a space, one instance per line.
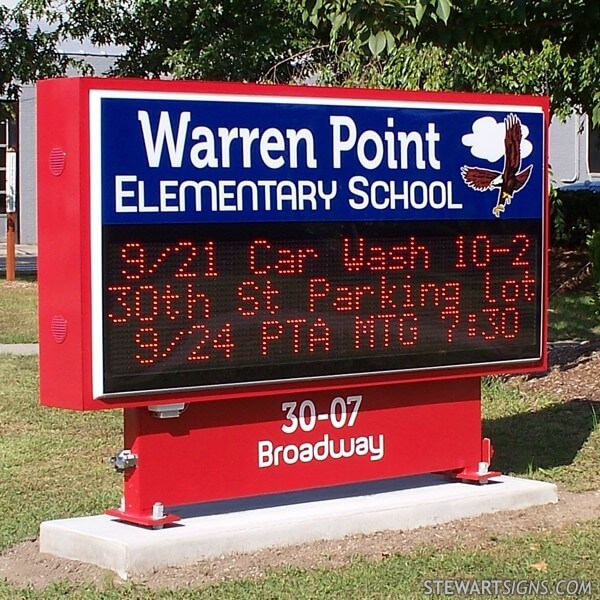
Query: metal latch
x=167 y=411
x=125 y=459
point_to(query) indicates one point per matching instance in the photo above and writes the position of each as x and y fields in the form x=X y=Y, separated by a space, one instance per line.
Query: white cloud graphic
x=487 y=139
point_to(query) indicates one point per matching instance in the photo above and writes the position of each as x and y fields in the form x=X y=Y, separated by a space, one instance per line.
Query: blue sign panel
x=203 y=159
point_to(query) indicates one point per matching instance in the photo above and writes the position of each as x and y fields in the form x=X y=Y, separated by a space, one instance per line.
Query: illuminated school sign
x=252 y=236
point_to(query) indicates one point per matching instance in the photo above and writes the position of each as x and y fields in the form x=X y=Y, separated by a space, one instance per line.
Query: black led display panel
x=213 y=304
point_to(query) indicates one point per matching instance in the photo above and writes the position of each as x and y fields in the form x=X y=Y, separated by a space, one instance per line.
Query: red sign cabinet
x=309 y=281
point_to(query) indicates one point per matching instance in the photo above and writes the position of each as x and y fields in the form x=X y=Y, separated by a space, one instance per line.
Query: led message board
x=226 y=304
x=250 y=235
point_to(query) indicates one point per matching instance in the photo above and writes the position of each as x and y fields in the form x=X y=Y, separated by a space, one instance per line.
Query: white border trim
x=274 y=382
x=594 y=175
x=96 y=276
x=96 y=272
x=313 y=100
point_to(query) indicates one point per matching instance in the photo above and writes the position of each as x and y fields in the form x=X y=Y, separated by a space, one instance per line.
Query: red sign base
x=267 y=445
x=143 y=520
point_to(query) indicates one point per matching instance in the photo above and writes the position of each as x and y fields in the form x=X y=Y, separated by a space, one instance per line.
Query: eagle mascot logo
x=511 y=180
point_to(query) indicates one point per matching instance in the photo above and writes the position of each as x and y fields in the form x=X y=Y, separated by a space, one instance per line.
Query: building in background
x=20 y=134
x=8 y=139
x=575 y=154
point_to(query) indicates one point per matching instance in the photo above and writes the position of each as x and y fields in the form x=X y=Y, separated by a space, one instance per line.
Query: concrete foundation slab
x=413 y=502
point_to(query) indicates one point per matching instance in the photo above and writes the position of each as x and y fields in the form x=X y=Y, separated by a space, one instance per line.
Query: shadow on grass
x=547 y=438
x=573 y=317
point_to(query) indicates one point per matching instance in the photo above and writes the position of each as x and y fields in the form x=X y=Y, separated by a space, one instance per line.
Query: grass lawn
x=573 y=316
x=53 y=463
x=543 y=437
x=18 y=311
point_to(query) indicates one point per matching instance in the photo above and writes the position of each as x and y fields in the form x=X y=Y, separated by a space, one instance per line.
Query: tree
x=28 y=54
x=210 y=39
x=479 y=23
x=570 y=82
x=195 y=39
x=547 y=47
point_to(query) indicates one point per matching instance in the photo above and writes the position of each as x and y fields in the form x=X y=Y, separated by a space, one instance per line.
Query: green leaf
x=444 y=7
x=596 y=115
x=420 y=8
x=390 y=42
x=338 y=21
x=377 y=43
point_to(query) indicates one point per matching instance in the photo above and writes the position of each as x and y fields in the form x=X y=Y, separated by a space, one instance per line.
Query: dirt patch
x=574 y=372
x=20 y=285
